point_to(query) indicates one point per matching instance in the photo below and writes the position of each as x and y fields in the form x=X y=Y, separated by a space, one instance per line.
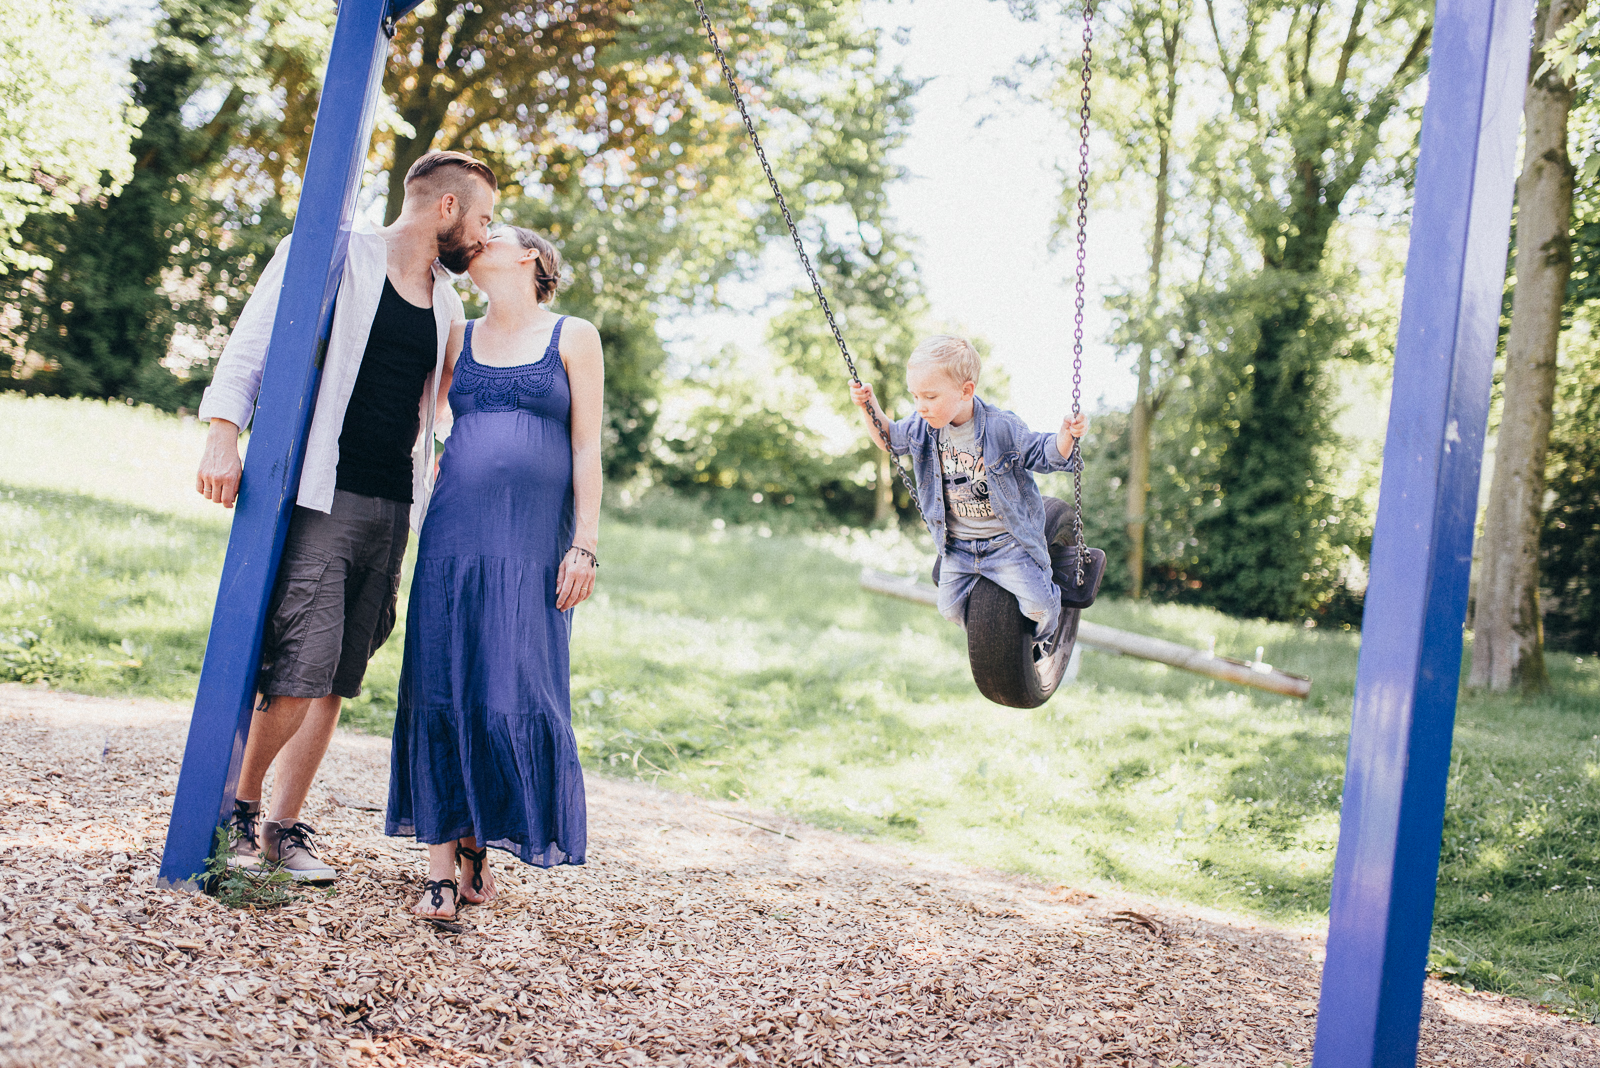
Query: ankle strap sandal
x=477 y=857
x=437 y=887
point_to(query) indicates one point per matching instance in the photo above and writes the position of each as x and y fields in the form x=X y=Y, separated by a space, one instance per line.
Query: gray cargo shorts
x=334 y=601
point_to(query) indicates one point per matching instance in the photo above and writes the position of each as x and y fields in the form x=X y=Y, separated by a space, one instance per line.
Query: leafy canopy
x=65 y=118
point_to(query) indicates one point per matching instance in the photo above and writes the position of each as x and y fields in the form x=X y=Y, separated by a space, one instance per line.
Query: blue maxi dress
x=483 y=742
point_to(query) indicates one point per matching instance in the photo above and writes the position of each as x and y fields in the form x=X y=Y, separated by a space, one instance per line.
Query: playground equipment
x=1409 y=671
x=1008 y=665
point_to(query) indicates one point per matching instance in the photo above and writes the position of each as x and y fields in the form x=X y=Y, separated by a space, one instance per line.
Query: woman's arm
x=586 y=374
x=452 y=349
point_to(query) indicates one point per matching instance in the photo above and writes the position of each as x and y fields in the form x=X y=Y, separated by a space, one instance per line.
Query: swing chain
x=799 y=245
x=1077 y=318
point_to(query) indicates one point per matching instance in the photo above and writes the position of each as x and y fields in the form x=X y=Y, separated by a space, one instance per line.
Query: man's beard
x=454 y=251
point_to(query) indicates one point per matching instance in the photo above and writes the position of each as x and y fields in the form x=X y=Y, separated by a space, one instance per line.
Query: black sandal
x=478 y=857
x=437 y=888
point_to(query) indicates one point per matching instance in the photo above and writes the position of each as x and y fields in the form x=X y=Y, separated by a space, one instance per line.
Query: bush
x=1569 y=545
x=744 y=453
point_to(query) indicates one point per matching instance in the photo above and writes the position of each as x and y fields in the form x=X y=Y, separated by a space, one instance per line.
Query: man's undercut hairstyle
x=546 y=268
x=955 y=356
x=438 y=173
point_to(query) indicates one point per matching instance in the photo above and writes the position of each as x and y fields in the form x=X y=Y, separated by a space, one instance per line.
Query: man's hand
x=218 y=479
x=1072 y=428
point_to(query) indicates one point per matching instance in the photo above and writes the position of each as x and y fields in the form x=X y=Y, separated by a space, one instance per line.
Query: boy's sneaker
x=242 y=829
x=288 y=844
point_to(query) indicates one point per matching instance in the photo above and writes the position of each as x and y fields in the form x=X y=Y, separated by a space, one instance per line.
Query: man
x=368 y=468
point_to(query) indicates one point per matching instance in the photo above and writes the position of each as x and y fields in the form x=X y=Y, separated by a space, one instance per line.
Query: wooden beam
x=1254 y=674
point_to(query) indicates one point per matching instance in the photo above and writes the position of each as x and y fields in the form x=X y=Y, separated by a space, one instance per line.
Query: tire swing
x=1008 y=666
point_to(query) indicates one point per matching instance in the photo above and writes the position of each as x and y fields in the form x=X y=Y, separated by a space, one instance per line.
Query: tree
x=744 y=446
x=1309 y=89
x=175 y=247
x=1155 y=39
x=1569 y=544
x=1144 y=49
x=609 y=128
x=1262 y=121
x=839 y=163
x=614 y=130
x=876 y=296
x=1507 y=641
x=65 y=119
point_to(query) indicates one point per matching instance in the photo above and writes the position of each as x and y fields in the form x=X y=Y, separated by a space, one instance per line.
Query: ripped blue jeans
x=1006 y=563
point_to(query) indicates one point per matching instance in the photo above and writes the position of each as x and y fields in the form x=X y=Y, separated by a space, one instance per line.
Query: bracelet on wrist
x=593 y=559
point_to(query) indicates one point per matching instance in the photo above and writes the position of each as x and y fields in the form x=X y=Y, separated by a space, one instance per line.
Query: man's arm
x=237 y=379
x=230 y=400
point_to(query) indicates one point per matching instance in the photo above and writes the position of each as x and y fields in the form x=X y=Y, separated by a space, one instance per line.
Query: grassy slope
x=727 y=664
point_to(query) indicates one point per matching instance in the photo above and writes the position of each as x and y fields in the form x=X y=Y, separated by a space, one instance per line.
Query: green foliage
x=129 y=268
x=610 y=128
x=745 y=450
x=267 y=887
x=863 y=262
x=614 y=132
x=26 y=655
x=1467 y=969
x=1265 y=521
x=65 y=119
x=1287 y=115
x=1104 y=477
x=1569 y=545
x=1307 y=104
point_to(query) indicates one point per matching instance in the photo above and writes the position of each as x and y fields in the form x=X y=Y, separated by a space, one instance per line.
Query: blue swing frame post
x=226 y=692
x=1386 y=871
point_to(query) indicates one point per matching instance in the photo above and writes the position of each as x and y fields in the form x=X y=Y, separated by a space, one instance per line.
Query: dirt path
x=691 y=937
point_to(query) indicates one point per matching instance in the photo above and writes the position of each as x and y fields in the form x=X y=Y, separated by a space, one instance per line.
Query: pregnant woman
x=483 y=752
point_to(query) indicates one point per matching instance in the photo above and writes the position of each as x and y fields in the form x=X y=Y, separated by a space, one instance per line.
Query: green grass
x=728 y=664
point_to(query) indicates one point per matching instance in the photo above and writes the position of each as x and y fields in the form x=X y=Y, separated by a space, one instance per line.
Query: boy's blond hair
x=955 y=356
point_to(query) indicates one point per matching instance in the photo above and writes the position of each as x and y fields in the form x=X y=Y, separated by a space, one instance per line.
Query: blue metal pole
x=1387 y=867
x=221 y=720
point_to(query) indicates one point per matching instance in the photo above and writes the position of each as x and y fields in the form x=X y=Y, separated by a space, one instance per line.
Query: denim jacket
x=1010 y=451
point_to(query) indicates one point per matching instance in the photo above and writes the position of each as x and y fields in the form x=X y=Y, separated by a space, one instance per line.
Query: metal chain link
x=799 y=246
x=1077 y=318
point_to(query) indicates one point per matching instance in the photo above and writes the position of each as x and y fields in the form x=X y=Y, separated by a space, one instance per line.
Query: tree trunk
x=1143 y=404
x=1508 y=643
x=407 y=150
x=1138 y=477
x=883 y=485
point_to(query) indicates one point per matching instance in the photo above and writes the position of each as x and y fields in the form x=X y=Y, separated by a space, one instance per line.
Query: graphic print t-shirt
x=967 y=511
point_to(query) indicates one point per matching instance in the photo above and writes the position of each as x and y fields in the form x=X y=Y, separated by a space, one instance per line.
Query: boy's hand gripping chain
x=816 y=284
x=1077 y=319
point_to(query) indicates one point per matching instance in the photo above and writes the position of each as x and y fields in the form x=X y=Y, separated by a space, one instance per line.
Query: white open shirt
x=237 y=380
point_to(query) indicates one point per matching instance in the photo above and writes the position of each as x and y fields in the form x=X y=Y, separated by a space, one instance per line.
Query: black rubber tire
x=1000 y=647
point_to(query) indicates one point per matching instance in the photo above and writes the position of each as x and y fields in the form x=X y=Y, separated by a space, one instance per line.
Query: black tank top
x=384 y=416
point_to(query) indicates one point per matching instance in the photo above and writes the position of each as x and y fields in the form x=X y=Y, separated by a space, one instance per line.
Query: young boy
x=973 y=463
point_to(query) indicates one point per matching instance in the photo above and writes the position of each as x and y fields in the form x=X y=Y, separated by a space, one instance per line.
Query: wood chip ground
x=690 y=938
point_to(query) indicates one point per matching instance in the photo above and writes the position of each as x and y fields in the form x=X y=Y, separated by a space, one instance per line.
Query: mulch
x=697 y=935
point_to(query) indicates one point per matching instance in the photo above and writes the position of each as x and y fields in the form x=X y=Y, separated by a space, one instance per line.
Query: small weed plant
x=266 y=887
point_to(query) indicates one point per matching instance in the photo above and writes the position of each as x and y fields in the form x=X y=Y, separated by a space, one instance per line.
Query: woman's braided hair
x=546 y=268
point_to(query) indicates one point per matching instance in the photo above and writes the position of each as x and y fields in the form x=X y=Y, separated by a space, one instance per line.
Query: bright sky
x=981 y=200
